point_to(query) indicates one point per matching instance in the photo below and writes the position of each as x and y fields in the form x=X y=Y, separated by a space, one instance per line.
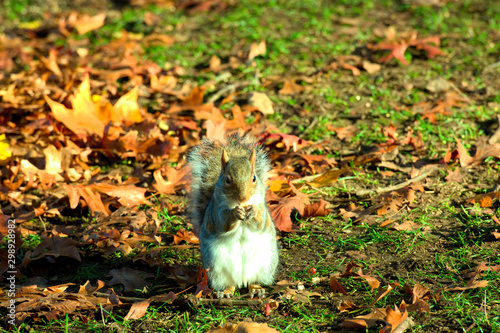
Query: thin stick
x=398 y=186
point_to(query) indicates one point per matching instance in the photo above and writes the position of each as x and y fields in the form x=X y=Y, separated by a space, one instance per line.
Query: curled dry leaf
x=337 y=287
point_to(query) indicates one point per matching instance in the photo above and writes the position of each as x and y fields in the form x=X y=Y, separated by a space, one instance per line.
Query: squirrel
x=228 y=211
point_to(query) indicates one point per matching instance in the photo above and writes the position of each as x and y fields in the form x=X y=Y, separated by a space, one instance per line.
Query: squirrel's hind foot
x=228 y=292
x=255 y=289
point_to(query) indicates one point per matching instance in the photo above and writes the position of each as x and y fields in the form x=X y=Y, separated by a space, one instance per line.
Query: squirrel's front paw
x=228 y=292
x=250 y=212
x=239 y=213
x=255 y=289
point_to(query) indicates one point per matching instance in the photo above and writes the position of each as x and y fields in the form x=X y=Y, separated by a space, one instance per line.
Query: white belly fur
x=242 y=257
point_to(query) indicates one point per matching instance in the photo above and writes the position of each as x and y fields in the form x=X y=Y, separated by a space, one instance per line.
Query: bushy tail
x=205 y=162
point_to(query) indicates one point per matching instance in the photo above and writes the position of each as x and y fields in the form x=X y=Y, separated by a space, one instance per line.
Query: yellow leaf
x=82 y=119
x=5 y=153
x=126 y=108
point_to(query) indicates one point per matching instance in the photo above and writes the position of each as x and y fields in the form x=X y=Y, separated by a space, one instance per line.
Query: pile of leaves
x=69 y=112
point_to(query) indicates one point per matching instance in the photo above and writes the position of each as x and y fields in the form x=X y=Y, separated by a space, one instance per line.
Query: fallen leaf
x=131 y=279
x=262 y=103
x=337 y=287
x=316 y=209
x=290 y=88
x=370 y=67
x=282 y=208
x=471 y=284
x=244 y=328
x=88 y=23
x=465 y=158
x=393 y=318
x=328 y=178
x=257 y=49
x=138 y=310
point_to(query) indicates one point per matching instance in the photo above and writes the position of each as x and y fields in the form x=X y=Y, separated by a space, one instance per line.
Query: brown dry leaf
x=51 y=62
x=87 y=289
x=454 y=176
x=384 y=291
x=485 y=199
x=131 y=279
x=496 y=220
x=496 y=234
x=316 y=209
x=128 y=195
x=343 y=132
x=177 y=179
x=482 y=266
x=282 y=208
x=202 y=289
x=262 y=103
x=419 y=296
x=257 y=49
x=138 y=310
x=244 y=328
x=348 y=306
x=471 y=284
x=328 y=178
x=88 y=23
x=373 y=282
x=393 y=318
x=337 y=287
x=183 y=235
x=281 y=140
x=370 y=67
x=364 y=321
x=406 y=226
x=290 y=88
x=465 y=158
x=53 y=248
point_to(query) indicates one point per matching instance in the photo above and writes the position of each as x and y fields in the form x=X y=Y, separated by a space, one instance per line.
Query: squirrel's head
x=238 y=176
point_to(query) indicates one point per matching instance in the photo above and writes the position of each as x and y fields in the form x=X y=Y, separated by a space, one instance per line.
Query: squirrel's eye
x=228 y=180
x=253 y=179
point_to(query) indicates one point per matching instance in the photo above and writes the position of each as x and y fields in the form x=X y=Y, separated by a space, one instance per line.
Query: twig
x=233 y=87
x=398 y=186
x=124 y=299
x=195 y=302
x=460 y=92
x=227 y=88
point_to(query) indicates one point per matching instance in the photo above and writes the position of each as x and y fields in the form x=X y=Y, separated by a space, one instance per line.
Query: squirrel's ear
x=224 y=159
x=252 y=159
